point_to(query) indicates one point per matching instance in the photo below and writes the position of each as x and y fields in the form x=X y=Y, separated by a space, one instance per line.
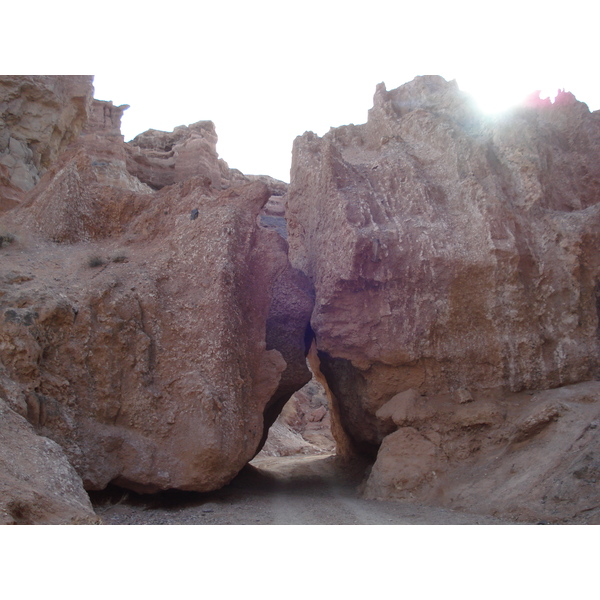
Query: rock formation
x=148 y=345
x=303 y=425
x=455 y=264
x=37 y=483
x=159 y=158
x=39 y=117
x=153 y=326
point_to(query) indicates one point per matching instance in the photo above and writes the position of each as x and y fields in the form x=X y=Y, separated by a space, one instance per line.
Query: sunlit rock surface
x=452 y=255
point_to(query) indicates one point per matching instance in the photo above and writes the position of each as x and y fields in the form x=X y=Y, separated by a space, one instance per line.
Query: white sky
x=267 y=71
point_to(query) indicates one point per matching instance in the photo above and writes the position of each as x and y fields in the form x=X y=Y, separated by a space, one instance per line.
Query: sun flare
x=495 y=100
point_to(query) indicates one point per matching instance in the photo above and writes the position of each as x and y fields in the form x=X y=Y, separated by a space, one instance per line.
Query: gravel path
x=300 y=490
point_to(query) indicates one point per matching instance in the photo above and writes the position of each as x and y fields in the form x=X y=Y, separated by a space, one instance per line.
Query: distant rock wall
x=303 y=426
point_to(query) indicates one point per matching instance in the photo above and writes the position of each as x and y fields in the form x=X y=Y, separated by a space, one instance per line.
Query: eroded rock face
x=146 y=356
x=141 y=329
x=439 y=263
x=152 y=325
x=451 y=255
x=527 y=456
x=39 y=117
x=159 y=158
x=37 y=483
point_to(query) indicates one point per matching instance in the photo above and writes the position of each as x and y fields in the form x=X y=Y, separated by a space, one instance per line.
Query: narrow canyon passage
x=297 y=479
x=288 y=490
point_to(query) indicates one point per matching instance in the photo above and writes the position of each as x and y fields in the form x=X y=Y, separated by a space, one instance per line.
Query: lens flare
x=498 y=100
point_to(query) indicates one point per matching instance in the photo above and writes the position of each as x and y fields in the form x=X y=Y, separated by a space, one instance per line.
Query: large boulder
x=143 y=352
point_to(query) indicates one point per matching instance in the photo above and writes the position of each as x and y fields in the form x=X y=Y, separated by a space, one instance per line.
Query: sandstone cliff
x=455 y=263
x=443 y=278
x=39 y=117
x=148 y=324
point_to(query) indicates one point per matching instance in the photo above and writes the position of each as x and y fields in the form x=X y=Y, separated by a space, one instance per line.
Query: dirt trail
x=299 y=490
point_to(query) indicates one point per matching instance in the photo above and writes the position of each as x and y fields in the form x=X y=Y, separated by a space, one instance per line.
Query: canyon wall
x=148 y=325
x=439 y=268
x=455 y=265
x=39 y=117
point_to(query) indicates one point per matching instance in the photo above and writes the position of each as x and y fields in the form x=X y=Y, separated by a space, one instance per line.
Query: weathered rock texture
x=454 y=256
x=37 y=483
x=527 y=455
x=159 y=158
x=146 y=331
x=152 y=325
x=39 y=117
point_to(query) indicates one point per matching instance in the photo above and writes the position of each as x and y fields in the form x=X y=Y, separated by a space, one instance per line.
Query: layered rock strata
x=159 y=158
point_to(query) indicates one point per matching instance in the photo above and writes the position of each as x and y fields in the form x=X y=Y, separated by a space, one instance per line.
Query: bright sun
x=494 y=99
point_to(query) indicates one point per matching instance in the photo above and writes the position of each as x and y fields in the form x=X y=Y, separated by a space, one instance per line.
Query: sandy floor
x=299 y=490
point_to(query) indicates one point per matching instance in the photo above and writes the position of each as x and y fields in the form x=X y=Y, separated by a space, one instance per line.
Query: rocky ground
x=291 y=490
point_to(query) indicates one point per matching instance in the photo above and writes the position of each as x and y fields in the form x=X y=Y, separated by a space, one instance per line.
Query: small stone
x=463 y=396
